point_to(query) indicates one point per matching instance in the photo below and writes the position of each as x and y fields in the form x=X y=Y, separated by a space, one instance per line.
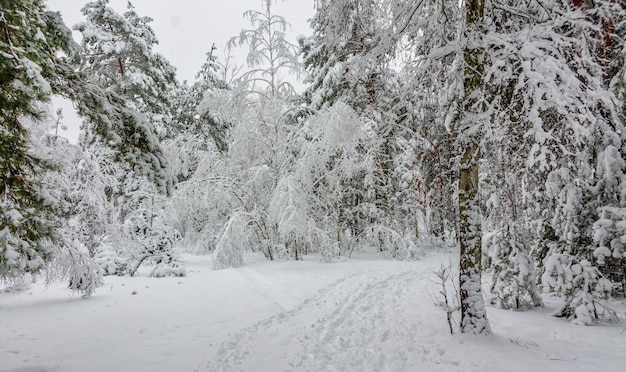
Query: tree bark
x=473 y=313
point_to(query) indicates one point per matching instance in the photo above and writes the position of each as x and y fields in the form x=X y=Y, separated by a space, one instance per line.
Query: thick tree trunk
x=473 y=314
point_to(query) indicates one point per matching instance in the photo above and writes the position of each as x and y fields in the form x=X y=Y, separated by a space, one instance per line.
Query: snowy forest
x=490 y=128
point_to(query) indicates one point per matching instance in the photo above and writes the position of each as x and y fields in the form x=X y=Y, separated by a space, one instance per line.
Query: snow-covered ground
x=362 y=314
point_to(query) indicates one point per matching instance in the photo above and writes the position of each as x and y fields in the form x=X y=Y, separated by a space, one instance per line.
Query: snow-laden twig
x=448 y=303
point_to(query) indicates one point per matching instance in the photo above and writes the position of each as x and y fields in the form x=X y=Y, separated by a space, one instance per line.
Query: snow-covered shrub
x=72 y=262
x=448 y=295
x=17 y=283
x=583 y=286
x=410 y=250
x=167 y=264
x=146 y=238
x=513 y=279
x=289 y=213
x=163 y=269
x=84 y=275
x=389 y=242
x=230 y=247
x=326 y=245
x=111 y=263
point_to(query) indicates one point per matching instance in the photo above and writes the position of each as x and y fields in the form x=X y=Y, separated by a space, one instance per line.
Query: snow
x=362 y=314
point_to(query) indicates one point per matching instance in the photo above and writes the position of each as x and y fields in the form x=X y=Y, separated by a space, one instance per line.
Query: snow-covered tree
x=609 y=228
x=198 y=122
x=72 y=250
x=543 y=88
x=344 y=69
x=507 y=73
x=127 y=102
x=271 y=56
x=329 y=158
x=510 y=227
x=573 y=122
x=343 y=33
x=259 y=150
x=30 y=39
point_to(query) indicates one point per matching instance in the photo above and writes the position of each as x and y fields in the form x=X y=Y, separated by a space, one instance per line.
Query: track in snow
x=361 y=322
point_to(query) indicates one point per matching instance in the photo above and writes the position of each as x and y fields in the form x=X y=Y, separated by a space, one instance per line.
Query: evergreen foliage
x=28 y=46
x=127 y=103
x=192 y=114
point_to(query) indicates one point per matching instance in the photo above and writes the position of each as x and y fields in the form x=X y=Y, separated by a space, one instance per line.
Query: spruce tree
x=194 y=117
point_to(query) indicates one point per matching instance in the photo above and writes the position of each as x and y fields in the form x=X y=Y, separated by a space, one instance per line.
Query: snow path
x=383 y=319
x=357 y=318
x=367 y=326
x=358 y=315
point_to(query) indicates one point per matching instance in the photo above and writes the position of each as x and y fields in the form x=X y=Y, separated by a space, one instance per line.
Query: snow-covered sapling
x=446 y=300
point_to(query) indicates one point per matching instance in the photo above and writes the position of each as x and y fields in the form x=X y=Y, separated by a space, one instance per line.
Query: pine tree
x=126 y=98
x=343 y=33
x=29 y=41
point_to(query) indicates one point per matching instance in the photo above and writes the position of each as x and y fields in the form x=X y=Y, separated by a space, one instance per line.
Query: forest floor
x=361 y=314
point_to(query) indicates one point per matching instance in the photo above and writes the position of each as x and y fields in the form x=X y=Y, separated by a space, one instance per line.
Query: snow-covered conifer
x=29 y=72
x=192 y=117
x=126 y=100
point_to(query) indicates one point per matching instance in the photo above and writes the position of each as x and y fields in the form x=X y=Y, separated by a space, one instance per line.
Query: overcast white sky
x=186 y=29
